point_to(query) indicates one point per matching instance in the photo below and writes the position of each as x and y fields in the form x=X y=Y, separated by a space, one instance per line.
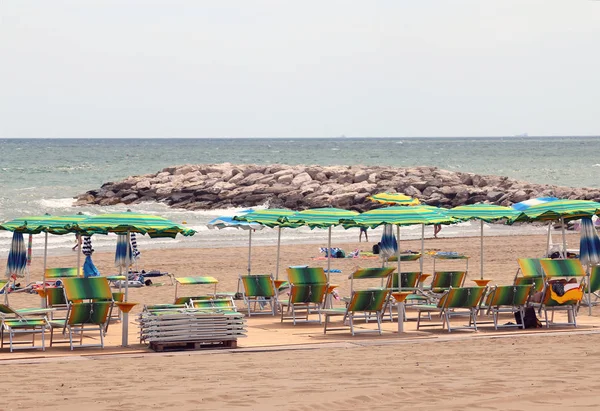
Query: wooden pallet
x=191 y=345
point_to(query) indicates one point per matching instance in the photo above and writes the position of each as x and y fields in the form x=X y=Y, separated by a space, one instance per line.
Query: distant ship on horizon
x=521 y=135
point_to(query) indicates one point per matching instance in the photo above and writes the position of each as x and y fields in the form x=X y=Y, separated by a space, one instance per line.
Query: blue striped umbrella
x=89 y=269
x=123 y=255
x=17 y=256
x=524 y=205
x=388 y=245
x=589 y=249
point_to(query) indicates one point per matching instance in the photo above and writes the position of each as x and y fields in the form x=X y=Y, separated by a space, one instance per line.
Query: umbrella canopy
x=524 y=205
x=39 y=224
x=483 y=212
x=559 y=209
x=394 y=199
x=398 y=215
x=270 y=217
x=589 y=243
x=17 y=256
x=122 y=223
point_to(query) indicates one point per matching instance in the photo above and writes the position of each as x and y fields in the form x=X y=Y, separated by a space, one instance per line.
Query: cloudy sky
x=275 y=68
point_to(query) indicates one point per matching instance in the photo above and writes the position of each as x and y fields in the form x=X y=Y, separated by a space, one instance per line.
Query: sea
x=39 y=176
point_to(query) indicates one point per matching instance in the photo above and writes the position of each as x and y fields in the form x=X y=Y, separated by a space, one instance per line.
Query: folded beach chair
x=25 y=321
x=206 y=280
x=530 y=272
x=507 y=299
x=454 y=302
x=90 y=302
x=365 y=302
x=559 y=296
x=259 y=291
x=217 y=305
x=308 y=288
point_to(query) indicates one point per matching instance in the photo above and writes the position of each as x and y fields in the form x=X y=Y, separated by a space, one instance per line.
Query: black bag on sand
x=530 y=319
x=376 y=248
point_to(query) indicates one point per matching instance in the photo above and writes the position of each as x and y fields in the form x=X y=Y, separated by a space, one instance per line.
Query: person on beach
x=77 y=243
x=436 y=229
x=363 y=230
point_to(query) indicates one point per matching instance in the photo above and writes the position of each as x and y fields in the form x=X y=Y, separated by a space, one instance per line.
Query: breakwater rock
x=210 y=186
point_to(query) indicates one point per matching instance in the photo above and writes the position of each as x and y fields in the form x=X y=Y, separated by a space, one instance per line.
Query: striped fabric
x=405 y=257
x=63 y=272
x=258 y=285
x=306 y=275
x=562 y=268
x=271 y=217
x=486 y=212
x=462 y=297
x=25 y=322
x=17 y=256
x=595 y=278
x=367 y=300
x=322 y=217
x=408 y=279
x=373 y=272
x=55 y=296
x=394 y=199
x=447 y=279
x=398 y=215
x=531 y=267
x=152 y=225
x=92 y=288
x=196 y=280
x=188 y=300
x=221 y=304
x=307 y=293
x=89 y=313
x=134 y=248
x=524 y=205
x=555 y=210
x=39 y=224
x=512 y=295
x=87 y=246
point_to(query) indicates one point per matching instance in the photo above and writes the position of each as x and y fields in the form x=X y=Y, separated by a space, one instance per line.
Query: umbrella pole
x=481 y=256
x=422 y=247
x=249 y=250
x=329 y=254
x=78 y=239
x=44 y=275
x=278 y=247
x=548 y=240
x=398 y=253
x=564 y=236
x=126 y=315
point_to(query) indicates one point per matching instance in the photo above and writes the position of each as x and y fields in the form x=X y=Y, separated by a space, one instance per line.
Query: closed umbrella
x=589 y=250
x=388 y=245
x=17 y=257
x=483 y=212
x=89 y=269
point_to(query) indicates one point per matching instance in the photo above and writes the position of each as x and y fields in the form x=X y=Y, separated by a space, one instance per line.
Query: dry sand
x=487 y=370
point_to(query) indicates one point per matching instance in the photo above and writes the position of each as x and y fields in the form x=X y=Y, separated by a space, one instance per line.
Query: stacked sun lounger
x=191 y=328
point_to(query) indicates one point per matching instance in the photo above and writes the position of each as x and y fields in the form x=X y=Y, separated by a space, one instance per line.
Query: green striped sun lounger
x=454 y=302
x=306 y=275
x=30 y=321
x=205 y=280
x=307 y=294
x=530 y=272
x=216 y=305
x=90 y=302
x=363 y=302
x=507 y=299
x=259 y=292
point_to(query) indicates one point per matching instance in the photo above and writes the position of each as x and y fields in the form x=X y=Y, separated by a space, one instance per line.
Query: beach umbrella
x=388 y=246
x=394 y=199
x=273 y=218
x=89 y=269
x=404 y=215
x=326 y=217
x=524 y=205
x=125 y=224
x=123 y=254
x=17 y=257
x=484 y=213
x=29 y=254
x=229 y=222
x=589 y=250
x=559 y=210
x=134 y=248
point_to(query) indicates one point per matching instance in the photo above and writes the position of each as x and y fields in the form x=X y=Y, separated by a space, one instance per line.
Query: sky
x=273 y=68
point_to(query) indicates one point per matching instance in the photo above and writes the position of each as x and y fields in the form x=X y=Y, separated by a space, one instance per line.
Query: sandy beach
x=426 y=370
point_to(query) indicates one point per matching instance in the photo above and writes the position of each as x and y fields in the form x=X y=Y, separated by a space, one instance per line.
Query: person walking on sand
x=77 y=242
x=436 y=229
x=363 y=230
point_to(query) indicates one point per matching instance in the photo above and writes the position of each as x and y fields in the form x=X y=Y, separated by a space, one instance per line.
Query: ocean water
x=40 y=176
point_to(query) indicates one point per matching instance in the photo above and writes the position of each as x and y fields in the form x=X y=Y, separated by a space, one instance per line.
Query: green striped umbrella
x=270 y=217
x=394 y=199
x=123 y=223
x=323 y=218
x=127 y=223
x=559 y=210
x=483 y=212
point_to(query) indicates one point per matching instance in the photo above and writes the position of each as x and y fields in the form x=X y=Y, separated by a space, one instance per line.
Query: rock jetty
x=211 y=186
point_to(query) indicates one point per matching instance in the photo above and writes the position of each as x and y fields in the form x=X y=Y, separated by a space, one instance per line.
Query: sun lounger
x=530 y=270
x=31 y=321
x=452 y=303
x=55 y=294
x=507 y=299
x=206 y=280
x=365 y=302
x=573 y=292
x=90 y=302
x=218 y=304
x=308 y=289
x=259 y=291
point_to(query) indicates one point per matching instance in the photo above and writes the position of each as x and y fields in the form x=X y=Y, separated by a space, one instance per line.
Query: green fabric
x=306 y=275
x=399 y=215
x=186 y=300
x=486 y=212
x=92 y=288
x=38 y=224
x=367 y=300
x=62 y=272
x=222 y=304
x=321 y=217
x=373 y=272
x=462 y=297
x=271 y=217
x=260 y=285
x=531 y=267
x=394 y=199
x=307 y=293
x=554 y=210
x=509 y=295
x=538 y=283
x=405 y=257
x=408 y=279
x=89 y=313
x=196 y=280
x=55 y=296
x=562 y=268
x=25 y=323
x=152 y=225
x=447 y=279
x=595 y=278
